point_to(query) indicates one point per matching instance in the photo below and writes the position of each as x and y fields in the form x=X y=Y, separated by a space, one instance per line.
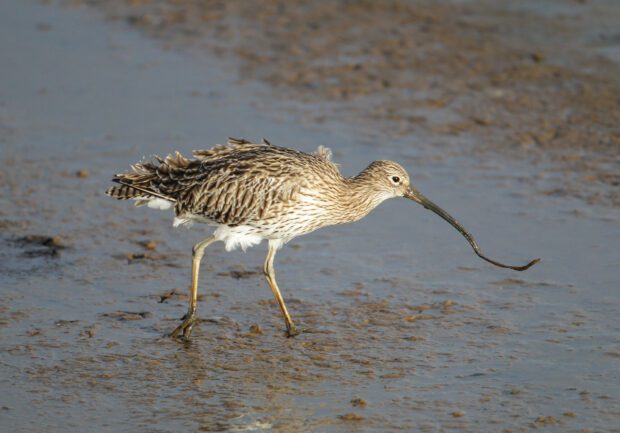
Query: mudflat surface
x=404 y=328
x=534 y=79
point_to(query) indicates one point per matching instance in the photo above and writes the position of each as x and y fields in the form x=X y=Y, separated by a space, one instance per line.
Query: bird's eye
x=395 y=179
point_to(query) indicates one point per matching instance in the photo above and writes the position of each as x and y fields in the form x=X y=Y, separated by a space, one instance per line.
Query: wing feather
x=237 y=183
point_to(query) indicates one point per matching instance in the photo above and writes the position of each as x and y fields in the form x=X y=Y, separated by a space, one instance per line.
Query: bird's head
x=391 y=180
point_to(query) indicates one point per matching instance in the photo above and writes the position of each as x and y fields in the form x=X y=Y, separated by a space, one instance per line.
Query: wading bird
x=251 y=192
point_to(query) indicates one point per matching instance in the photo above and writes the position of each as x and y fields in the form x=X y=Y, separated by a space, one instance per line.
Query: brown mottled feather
x=233 y=184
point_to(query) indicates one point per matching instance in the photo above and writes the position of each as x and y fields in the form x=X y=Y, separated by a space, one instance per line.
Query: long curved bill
x=416 y=196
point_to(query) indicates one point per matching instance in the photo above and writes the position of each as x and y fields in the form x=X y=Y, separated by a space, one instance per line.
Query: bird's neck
x=358 y=197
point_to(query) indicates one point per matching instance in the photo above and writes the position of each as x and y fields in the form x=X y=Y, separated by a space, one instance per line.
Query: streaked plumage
x=258 y=190
x=255 y=191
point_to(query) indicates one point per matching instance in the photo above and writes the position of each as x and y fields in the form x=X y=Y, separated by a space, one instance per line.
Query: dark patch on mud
x=152 y=258
x=239 y=272
x=40 y=246
x=128 y=315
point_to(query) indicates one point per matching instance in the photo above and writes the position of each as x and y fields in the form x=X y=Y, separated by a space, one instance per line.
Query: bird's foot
x=291 y=331
x=185 y=328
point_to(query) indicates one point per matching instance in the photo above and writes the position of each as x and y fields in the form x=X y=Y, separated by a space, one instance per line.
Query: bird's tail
x=141 y=184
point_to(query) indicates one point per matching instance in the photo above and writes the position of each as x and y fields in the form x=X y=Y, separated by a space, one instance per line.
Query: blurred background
x=507 y=114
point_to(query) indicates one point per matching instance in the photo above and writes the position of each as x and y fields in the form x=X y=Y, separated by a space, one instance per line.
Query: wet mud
x=403 y=328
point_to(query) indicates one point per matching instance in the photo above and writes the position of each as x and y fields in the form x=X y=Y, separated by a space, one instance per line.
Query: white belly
x=239 y=236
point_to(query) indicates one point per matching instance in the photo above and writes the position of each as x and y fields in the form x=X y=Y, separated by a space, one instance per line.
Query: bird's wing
x=249 y=184
x=233 y=184
x=172 y=177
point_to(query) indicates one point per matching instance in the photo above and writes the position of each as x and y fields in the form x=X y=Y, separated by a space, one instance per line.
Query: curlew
x=254 y=191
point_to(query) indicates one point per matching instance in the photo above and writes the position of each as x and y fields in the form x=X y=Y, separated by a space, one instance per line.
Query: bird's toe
x=292 y=332
x=184 y=330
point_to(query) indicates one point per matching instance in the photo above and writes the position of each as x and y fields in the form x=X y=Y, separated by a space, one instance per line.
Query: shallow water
x=404 y=328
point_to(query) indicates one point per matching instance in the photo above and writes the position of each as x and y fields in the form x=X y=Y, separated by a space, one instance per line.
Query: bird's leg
x=185 y=328
x=268 y=270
